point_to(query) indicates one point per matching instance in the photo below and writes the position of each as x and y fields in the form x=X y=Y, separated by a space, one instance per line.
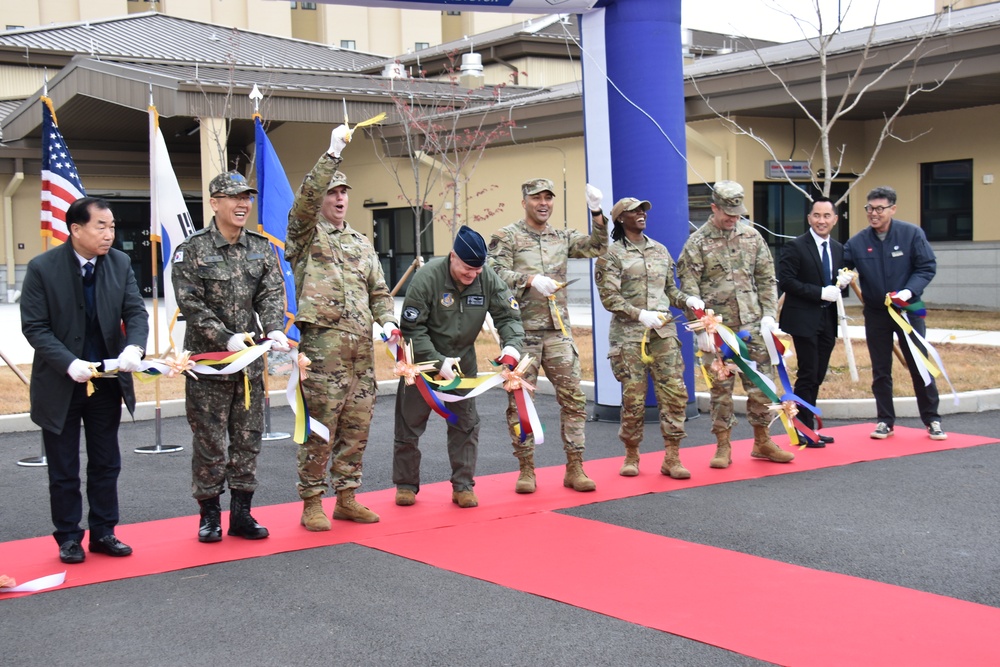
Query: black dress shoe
x=826 y=439
x=71 y=552
x=811 y=444
x=110 y=545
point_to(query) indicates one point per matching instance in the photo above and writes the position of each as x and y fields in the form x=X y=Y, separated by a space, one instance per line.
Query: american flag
x=60 y=183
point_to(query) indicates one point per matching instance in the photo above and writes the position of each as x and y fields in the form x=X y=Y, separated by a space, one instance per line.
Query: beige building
x=370 y=30
x=200 y=75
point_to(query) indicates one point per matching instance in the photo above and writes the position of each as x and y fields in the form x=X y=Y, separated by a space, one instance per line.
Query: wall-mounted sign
x=781 y=169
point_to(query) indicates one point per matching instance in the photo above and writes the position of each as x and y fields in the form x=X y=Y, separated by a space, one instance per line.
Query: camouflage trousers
x=558 y=356
x=340 y=392
x=722 y=392
x=667 y=372
x=217 y=412
x=412 y=413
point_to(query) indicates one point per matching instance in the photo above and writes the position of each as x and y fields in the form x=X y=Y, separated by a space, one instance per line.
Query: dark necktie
x=88 y=290
x=827 y=273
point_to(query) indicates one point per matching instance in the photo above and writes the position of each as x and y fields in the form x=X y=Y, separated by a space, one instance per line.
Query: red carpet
x=849 y=620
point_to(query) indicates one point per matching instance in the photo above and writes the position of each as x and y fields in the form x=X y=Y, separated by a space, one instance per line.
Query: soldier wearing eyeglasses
x=893 y=257
x=225 y=277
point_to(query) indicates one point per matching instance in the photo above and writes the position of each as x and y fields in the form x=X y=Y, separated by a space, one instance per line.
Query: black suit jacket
x=53 y=319
x=800 y=277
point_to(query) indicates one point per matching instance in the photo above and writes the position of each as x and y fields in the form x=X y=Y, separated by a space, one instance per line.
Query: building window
x=307 y=5
x=348 y=44
x=453 y=13
x=14 y=27
x=417 y=46
x=946 y=200
x=294 y=4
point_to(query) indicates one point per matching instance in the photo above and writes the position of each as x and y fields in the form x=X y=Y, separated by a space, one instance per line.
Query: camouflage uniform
x=341 y=291
x=219 y=288
x=517 y=252
x=441 y=318
x=632 y=278
x=733 y=273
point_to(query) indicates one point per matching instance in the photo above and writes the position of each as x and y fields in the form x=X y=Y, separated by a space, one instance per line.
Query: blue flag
x=274 y=201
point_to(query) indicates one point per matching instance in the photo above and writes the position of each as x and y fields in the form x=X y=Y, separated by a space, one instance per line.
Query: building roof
x=141 y=36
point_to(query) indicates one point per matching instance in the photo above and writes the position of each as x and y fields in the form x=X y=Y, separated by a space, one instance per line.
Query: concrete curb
x=859 y=409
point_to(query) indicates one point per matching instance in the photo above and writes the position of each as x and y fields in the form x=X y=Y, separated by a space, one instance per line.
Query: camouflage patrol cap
x=230 y=183
x=533 y=186
x=628 y=204
x=339 y=178
x=728 y=195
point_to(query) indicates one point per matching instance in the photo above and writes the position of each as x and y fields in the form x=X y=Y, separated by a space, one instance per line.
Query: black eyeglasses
x=877 y=209
x=242 y=199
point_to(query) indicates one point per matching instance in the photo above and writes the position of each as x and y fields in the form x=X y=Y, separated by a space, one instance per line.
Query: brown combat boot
x=405 y=497
x=723 y=451
x=575 y=478
x=465 y=499
x=349 y=509
x=313 y=517
x=526 y=478
x=672 y=466
x=765 y=448
x=630 y=468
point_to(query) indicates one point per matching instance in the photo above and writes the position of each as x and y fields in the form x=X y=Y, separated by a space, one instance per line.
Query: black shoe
x=826 y=439
x=241 y=522
x=71 y=552
x=210 y=529
x=110 y=545
x=811 y=444
x=882 y=431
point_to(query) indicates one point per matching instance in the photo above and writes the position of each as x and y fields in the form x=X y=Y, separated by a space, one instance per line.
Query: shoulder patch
x=178 y=257
x=513 y=303
x=410 y=314
x=494 y=242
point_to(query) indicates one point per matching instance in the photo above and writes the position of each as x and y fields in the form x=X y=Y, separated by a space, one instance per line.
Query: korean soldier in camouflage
x=636 y=283
x=726 y=263
x=341 y=292
x=444 y=310
x=224 y=277
x=530 y=255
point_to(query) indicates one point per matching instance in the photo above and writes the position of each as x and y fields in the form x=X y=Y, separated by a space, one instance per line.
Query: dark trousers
x=412 y=413
x=880 y=330
x=101 y=414
x=813 y=354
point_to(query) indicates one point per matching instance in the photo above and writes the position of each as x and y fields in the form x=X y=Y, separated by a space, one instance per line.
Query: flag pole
x=154 y=222
x=256 y=96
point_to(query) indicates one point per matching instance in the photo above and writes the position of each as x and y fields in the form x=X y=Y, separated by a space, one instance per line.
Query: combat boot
x=765 y=448
x=349 y=509
x=313 y=517
x=465 y=498
x=210 y=529
x=630 y=468
x=672 y=466
x=241 y=523
x=526 y=476
x=575 y=478
x=723 y=451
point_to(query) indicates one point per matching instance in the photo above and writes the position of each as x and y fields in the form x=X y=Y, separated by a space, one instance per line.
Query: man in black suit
x=807 y=274
x=80 y=305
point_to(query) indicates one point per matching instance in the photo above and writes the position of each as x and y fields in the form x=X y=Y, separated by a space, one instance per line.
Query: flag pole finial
x=256 y=96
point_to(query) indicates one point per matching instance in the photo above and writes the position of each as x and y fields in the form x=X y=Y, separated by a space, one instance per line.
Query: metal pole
x=268 y=435
x=34 y=461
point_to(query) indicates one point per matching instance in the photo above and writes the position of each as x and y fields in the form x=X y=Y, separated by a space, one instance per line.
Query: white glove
x=694 y=303
x=128 y=360
x=904 y=295
x=767 y=324
x=80 y=370
x=830 y=293
x=339 y=139
x=544 y=285
x=236 y=343
x=447 y=371
x=280 y=341
x=392 y=333
x=705 y=342
x=844 y=279
x=651 y=319
x=508 y=351
x=594 y=198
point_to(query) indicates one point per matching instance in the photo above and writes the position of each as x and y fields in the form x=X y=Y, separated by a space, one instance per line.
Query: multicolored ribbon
x=514 y=383
x=914 y=341
x=787 y=408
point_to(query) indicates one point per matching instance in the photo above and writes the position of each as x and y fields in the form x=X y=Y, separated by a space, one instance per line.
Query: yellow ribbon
x=552 y=298
x=907 y=329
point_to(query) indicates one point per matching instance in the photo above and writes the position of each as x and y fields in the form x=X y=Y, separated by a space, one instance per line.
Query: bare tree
x=441 y=133
x=859 y=82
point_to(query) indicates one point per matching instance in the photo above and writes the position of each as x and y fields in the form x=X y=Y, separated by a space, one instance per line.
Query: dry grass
x=967 y=366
